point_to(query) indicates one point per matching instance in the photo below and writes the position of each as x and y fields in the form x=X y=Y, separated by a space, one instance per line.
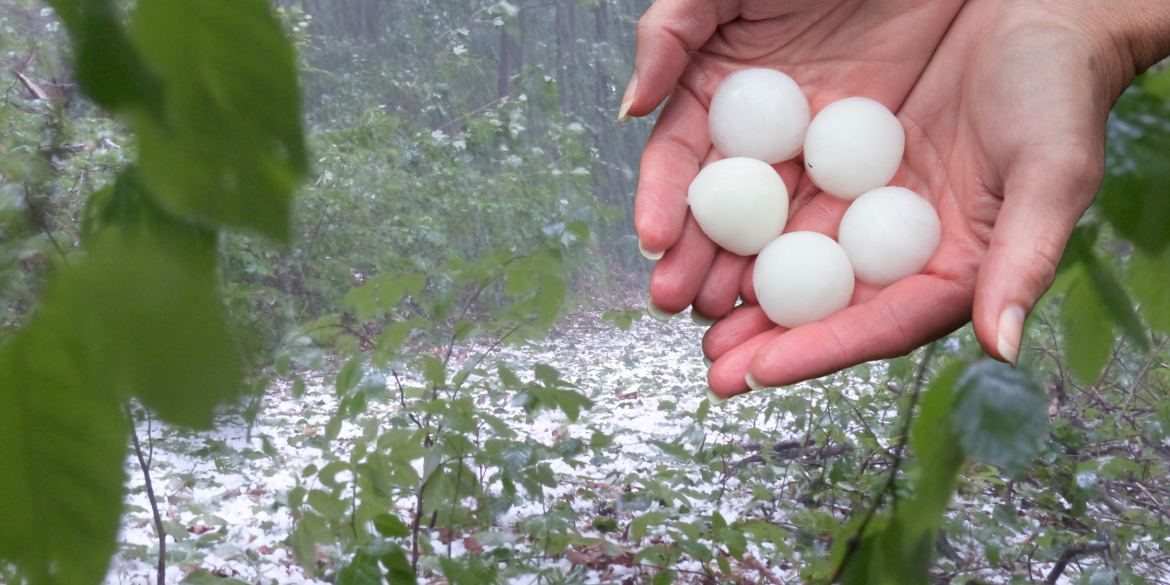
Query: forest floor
x=223 y=494
x=224 y=499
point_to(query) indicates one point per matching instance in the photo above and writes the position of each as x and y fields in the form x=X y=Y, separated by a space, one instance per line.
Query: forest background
x=460 y=180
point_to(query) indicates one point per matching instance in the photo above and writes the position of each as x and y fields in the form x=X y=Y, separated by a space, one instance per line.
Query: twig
x=1070 y=554
x=162 y=533
x=904 y=434
x=789 y=454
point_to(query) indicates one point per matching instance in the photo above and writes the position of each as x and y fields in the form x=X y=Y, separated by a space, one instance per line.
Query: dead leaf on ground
x=472 y=545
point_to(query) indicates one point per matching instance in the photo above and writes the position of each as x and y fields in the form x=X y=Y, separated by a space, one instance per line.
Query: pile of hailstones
x=852 y=149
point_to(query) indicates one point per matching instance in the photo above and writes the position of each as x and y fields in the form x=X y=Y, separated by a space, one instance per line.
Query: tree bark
x=603 y=183
x=566 y=42
x=511 y=58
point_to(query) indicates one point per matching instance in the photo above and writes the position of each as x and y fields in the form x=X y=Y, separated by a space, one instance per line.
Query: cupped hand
x=1005 y=135
x=832 y=48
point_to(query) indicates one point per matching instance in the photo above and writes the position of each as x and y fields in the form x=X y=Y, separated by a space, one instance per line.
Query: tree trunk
x=603 y=176
x=511 y=58
x=566 y=43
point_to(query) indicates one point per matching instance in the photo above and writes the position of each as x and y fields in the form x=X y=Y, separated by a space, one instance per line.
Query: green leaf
x=1117 y=303
x=145 y=308
x=639 y=525
x=508 y=377
x=605 y=524
x=227 y=149
x=351 y=375
x=1149 y=279
x=298 y=388
x=469 y=570
x=327 y=504
x=390 y=526
x=363 y=570
x=571 y=403
x=935 y=444
x=395 y=333
x=398 y=569
x=433 y=370
x=1137 y=170
x=1088 y=333
x=1000 y=415
x=138 y=316
x=547 y=374
x=663 y=577
x=63 y=444
x=109 y=70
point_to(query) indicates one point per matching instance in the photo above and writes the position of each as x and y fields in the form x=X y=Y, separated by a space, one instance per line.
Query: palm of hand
x=875 y=48
x=1003 y=108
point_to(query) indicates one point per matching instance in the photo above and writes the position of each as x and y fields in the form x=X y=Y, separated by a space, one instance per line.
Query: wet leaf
x=1000 y=415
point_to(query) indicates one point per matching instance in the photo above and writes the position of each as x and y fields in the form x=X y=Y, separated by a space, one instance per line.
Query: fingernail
x=656 y=313
x=751 y=382
x=707 y=362
x=701 y=320
x=647 y=253
x=628 y=98
x=714 y=399
x=1011 y=330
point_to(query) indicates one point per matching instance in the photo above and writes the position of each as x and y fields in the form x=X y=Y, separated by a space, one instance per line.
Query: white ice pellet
x=889 y=233
x=852 y=146
x=760 y=114
x=740 y=203
x=802 y=277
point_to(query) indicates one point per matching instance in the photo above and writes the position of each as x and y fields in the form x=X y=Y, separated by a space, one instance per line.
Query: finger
x=902 y=317
x=740 y=325
x=667 y=33
x=726 y=376
x=678 y=275
x=1044 y=196
x=747 y=290
x=821 y=214
x=670 y=161
x=720 y=289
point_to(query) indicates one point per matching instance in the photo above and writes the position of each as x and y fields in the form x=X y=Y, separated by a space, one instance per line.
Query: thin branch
x=162 y=533
x=903 y=438
x=1070 y=554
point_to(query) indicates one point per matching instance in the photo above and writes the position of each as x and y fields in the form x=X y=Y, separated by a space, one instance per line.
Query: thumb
x=666 y=34
x=1045 y=193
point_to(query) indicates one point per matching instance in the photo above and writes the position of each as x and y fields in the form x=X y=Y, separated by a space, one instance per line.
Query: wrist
x=1139 y=29
x=1126 y=36
x=1145 y=26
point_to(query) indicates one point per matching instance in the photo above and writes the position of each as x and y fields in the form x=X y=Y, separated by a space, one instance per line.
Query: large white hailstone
x=802 y=277
x=889 y=233
x=852 y=146
x=740 y=203
x=760 y=114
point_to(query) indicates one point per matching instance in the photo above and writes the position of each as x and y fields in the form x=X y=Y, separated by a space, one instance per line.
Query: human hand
x=1005 y=136
x=833 y=49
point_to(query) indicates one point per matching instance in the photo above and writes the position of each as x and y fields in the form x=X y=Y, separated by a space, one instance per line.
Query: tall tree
x=511 y=56
x=566 y=42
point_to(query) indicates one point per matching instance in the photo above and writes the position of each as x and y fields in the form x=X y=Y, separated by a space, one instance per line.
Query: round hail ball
x=740 y=203
x=802 y=277
x=889 y=233
x=760 y=114
x=852 y=146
